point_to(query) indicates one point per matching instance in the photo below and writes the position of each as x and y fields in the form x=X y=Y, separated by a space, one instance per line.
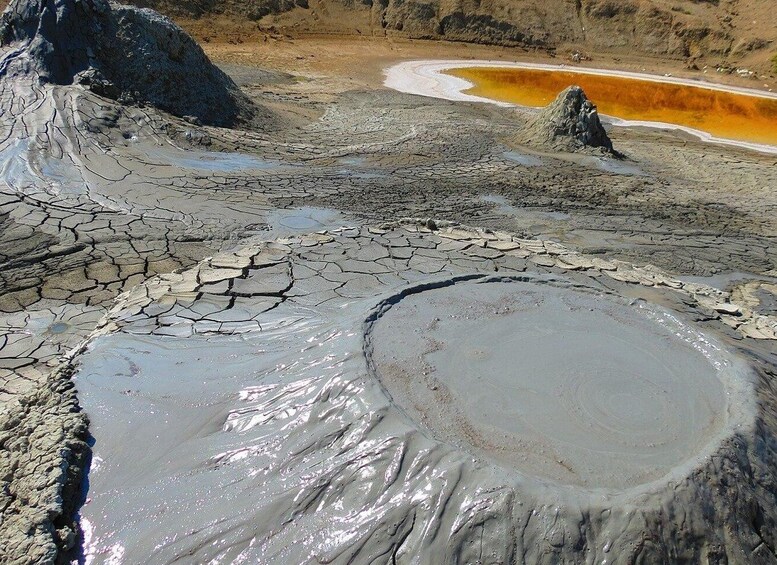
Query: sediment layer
x=690 y=31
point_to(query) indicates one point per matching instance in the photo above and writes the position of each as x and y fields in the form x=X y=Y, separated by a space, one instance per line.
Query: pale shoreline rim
x=427 y=78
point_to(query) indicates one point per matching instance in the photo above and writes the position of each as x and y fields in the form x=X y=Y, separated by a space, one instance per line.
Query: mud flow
x=399 y=419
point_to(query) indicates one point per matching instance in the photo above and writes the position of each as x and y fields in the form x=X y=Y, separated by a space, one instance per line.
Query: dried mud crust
x=43 y=436
x=325 y=426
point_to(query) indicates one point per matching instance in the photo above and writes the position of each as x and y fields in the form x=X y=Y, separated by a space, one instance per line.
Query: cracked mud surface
x=98 y=199
x=284 y=446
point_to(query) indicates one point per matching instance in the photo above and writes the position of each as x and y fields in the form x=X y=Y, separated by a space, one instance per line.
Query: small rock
x=730 y=309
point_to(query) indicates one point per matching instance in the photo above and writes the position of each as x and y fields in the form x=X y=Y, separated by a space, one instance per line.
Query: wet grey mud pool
x=557 y=382
x=419 y=415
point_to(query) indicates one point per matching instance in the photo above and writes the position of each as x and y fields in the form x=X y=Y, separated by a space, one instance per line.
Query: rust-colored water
x=722 y=114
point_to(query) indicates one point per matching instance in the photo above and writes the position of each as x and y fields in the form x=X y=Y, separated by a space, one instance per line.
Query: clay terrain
x=274 y=291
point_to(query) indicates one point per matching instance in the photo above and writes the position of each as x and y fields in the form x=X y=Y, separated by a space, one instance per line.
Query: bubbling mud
x=571 y=386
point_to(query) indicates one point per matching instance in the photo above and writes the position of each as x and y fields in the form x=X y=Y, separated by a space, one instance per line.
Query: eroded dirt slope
x=739 y=33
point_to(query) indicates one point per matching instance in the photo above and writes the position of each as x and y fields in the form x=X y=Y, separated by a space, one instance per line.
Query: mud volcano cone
x=120 y=52
x=570 y=123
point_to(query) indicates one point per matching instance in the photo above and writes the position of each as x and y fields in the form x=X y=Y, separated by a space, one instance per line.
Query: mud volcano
x=434 y=411
x=560 y=383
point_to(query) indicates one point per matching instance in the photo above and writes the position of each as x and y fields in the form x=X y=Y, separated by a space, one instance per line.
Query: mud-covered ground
x=97 y=198
x=271 y=405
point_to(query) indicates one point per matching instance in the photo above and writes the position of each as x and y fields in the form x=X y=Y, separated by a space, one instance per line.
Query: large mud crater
x=558 y=382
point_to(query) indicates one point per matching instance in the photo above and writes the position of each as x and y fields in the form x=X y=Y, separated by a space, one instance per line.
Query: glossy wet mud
x=721 y=114
x=573 y=387
x=237 y=423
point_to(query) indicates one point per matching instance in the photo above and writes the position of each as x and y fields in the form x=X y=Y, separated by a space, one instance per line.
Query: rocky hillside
x=718 y=32
x=724 y=31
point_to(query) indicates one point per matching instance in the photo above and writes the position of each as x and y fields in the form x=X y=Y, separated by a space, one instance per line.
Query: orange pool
x=722 y=114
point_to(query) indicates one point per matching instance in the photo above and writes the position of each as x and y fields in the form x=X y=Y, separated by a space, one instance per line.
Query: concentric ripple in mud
x=572 y=386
